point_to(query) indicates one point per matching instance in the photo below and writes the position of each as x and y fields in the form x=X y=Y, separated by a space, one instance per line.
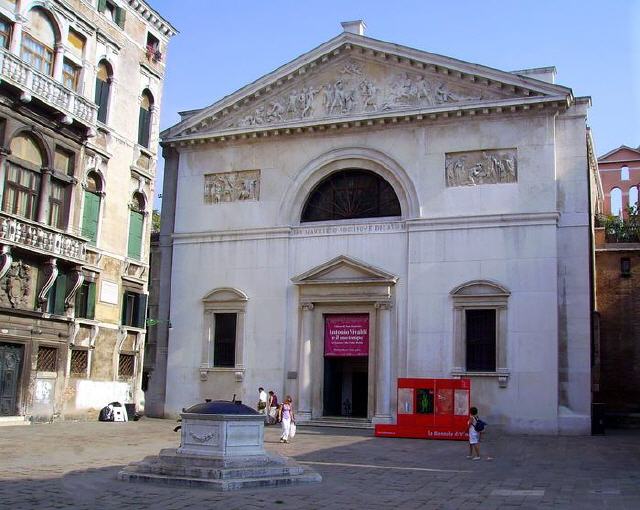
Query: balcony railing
x=35 y=84
x=40 y=238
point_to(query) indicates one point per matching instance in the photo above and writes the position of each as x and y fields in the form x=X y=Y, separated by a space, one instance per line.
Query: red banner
x=346 y=335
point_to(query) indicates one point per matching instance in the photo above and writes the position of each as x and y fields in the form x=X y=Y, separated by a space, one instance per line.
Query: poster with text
x=346 y=335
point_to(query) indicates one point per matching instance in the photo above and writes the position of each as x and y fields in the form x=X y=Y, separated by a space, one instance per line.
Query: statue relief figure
x=368 y=91
x=481 y=167
x=232 y=186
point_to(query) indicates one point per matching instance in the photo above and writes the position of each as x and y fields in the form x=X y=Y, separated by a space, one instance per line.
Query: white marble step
x=13 y=421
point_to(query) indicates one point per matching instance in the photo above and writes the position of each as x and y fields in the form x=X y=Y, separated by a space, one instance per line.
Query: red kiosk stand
x=431 y=409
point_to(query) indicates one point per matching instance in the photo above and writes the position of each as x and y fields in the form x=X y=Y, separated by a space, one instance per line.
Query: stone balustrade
x=35 y=84
x=41 y=238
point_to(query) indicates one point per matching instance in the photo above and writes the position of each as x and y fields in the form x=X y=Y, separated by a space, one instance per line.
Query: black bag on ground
x=106 y=413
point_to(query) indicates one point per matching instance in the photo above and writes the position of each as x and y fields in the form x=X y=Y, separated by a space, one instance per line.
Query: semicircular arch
x=360 y=158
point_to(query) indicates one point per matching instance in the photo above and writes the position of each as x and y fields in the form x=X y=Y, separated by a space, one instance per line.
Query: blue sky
x=595 y=46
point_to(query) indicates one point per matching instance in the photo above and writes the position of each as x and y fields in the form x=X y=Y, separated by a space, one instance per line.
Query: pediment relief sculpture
x=344 y=269
x=16 y=290
x=353 y=87
x=231 y=186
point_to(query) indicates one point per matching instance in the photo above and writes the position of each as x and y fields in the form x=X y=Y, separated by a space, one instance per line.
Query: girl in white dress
x=474 y=435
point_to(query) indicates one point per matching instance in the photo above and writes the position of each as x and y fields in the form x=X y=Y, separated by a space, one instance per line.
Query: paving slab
x=75 y=465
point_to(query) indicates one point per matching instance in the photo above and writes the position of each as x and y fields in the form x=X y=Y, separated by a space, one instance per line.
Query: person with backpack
x=476 y=426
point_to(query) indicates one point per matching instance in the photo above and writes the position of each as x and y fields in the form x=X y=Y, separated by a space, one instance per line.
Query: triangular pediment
x=620 y=154
x=342 y=270
x=356 y=77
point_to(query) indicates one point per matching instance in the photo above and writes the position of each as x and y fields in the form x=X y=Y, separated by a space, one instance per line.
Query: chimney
x=354 y=27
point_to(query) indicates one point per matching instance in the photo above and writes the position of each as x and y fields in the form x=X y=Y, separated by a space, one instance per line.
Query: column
x=43 y=198
x=16 y=34
x=57 y=62
x=383 y=368
x=304 y=371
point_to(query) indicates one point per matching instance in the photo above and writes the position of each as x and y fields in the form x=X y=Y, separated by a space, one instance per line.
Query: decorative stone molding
x=77 y=277
x=496 y=166
x=232 y=186
x=5 y=260
x=16 y=288
x=38 y=237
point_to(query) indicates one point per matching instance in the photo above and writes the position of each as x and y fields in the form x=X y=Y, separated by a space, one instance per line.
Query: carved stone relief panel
x=495 y=166
x=355 y=86
x=232 y=186
x=17 y=287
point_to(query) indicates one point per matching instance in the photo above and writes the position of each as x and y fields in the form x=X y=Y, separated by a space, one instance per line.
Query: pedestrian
x=272 y=407
x=287 y=417
x=474 y=435
x=262 y=402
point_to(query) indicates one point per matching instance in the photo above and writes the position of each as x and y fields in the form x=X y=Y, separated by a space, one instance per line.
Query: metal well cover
x=221 y=407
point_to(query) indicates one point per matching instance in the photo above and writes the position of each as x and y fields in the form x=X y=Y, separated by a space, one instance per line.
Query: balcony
x=32 y=83
x=43 y=239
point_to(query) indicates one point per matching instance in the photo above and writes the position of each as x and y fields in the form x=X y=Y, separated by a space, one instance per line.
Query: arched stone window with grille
x=351 y=194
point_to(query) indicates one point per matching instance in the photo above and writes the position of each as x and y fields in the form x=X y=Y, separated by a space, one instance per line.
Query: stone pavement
x=74 y=465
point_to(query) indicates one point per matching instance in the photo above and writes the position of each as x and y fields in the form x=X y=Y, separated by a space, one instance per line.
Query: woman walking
x=287 y=417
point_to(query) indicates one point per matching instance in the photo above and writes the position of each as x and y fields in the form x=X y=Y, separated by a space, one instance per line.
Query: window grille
x=79 y=362
x=126 y=365
x=47 y=359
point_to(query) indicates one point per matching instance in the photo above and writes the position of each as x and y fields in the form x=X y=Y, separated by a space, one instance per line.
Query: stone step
x=13 y=421
x=338 y=422
x=622 y=420
x=130 y=474
x=157 y=467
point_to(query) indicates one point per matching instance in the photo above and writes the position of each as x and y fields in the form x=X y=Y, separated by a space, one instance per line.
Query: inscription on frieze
x=232 y=186
x=495 y=166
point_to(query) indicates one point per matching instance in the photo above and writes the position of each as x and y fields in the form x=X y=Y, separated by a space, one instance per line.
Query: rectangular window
x=79 y=362
x=86 y=300
x=126 y=365
x=57 y=204
x=76 y=43
x=36 y=54
x=134 y=308
x=64 y=161
x=55 y=299
x=224 y=343
x=481 y=340
x=5 y=33
x=47 y=359
x=134 y=245
x=90 y=216
x=21 y=192
x=625 y=267
x=70 y=75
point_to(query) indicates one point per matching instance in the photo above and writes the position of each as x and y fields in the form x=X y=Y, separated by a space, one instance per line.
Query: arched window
x=91 y=211
x=104 y=77
x=136 y=222
x=351 y=194
x=616 y=202
x=22 y=181
x=144 y=119
x=633 y=196
x=39 y=41
x=624 y=173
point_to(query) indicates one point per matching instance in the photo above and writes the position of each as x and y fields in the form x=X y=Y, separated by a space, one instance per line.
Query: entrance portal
x=10 y=361
x=346 y=365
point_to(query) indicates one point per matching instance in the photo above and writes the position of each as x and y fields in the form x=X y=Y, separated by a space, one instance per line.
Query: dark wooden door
x=10 y=362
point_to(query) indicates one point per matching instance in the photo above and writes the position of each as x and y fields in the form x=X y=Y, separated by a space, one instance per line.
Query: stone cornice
x=151 y=16
x=509 y=106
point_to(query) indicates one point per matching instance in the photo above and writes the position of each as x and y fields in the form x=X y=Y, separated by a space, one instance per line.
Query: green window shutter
x=102 y=98
x=60 y=291
x=90 y=217
x=134 y=249
x=141 y=311
x=102 y=5
x=144 y=119
x=121 y=15
x=91 y=301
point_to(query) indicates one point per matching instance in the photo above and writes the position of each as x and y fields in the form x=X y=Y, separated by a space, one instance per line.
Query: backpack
x=479 y=425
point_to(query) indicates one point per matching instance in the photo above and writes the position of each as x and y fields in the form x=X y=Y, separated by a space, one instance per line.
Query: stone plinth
x=222 y=448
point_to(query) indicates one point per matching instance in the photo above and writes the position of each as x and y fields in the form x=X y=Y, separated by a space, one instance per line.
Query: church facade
x=370 y=211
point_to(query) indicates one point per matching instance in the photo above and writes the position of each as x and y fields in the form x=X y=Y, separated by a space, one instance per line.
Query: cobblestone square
x=74 y=465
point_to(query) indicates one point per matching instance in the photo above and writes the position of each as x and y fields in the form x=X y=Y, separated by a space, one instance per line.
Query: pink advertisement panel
x=346 y=335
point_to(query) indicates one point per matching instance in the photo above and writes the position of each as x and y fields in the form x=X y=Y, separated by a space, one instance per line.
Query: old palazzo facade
x=370 y=211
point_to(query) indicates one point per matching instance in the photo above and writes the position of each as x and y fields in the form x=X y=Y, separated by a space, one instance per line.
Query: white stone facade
x=515 y=240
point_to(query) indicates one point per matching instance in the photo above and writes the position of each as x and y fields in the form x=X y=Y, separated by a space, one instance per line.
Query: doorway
x=346 y=365
x=10 y=363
